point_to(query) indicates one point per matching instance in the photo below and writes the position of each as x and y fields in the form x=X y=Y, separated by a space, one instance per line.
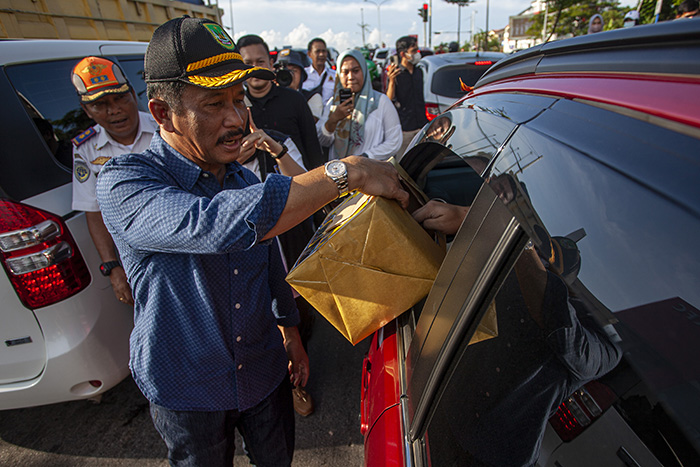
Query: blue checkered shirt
x=209 y=294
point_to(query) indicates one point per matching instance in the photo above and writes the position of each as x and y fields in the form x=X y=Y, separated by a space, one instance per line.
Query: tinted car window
x=48 y=96
x=133 y=69
x=622 y=284
x=637 y=234
x=445 y=81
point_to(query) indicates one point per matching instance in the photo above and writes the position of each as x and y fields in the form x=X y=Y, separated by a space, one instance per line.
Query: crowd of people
x=202 y=206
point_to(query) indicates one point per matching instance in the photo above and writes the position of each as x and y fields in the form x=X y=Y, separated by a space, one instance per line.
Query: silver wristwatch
x=338 y=172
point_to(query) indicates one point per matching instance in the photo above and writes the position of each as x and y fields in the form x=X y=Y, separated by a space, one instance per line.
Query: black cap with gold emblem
x=197 y=51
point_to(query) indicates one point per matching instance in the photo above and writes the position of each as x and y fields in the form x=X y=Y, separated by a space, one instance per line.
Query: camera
x=283 y=73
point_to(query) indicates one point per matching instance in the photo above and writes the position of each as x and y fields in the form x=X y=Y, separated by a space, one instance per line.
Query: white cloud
x=294 y=22
x=340 y=40
x=299 y=36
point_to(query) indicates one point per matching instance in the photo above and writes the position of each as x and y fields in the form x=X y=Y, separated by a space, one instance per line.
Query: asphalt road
x=118 y=430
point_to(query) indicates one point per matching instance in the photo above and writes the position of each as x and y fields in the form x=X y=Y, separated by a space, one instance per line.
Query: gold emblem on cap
x=94 y=69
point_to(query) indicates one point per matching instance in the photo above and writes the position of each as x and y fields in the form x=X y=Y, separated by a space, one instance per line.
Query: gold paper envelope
x=368 y=262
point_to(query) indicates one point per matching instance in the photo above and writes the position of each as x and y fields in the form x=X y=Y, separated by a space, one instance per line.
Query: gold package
x=368 y=262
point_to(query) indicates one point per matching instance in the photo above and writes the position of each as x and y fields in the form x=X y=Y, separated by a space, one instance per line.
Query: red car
x=563 y=326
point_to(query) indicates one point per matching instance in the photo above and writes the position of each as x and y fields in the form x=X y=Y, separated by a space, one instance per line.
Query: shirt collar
x=184 y=170
x=146 y=125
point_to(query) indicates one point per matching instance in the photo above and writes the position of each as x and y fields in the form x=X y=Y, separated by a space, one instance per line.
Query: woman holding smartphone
x=358 y=120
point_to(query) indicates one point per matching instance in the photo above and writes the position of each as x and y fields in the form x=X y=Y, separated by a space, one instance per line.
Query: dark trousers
x=207 y=439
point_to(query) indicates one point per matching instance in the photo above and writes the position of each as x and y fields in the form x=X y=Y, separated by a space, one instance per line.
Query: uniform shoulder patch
x=84 y=136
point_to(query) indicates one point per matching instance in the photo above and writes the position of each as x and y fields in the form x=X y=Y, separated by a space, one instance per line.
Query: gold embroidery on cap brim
x=213 y=82
x=121 y=89
x=214 y=60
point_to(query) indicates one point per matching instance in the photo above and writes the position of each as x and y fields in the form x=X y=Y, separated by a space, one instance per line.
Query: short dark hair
x=315 y=39
x=168 y=91
x=252 y=39
x=687 y=6
x=404 y=43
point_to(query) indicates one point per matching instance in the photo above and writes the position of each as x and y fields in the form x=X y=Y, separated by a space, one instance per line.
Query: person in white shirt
x=367 y=123
x=107 y=97
x=320 y=78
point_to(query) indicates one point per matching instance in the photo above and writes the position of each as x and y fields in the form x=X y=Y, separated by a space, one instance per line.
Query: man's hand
x=298 y=360
x=442 y=217
x=376 y=178
x=120 y=286
x=257 y=139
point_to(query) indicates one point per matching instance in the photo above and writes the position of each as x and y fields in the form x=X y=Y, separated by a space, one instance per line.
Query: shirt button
x=238 y=339
x=235 y=272
x=238 y=305
x=240 y=366
x=205 y=175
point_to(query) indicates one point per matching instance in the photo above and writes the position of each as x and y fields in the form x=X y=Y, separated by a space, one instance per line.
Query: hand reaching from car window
x=442 y=217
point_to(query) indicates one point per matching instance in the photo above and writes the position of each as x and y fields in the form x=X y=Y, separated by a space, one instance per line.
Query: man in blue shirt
x=215 y=324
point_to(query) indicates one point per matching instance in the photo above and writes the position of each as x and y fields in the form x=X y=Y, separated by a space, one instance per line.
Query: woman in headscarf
x=595 y=24
x=367 y=123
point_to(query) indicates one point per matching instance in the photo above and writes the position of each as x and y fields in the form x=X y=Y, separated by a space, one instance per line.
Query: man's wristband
x=281 y=153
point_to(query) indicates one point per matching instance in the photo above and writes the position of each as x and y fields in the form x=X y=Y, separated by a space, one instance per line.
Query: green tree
x=568 y=18
x=493 y=44
x=648 y=7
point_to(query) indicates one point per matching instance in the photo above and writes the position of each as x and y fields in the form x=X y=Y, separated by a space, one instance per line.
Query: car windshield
x=446 y=80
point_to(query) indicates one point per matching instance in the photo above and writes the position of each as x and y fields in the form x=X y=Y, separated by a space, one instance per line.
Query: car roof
x=458 y=58
x=32 y=50
x=671 y=47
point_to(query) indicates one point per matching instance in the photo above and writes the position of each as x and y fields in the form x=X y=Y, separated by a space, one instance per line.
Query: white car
x=64 y=335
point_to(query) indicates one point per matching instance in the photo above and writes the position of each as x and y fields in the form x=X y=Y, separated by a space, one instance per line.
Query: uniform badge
x=81 y=171
x=102 y=160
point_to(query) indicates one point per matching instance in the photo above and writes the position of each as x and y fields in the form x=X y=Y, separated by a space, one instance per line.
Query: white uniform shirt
x=92 y=149
x=382 y=135
x=313 y=78
x=292 y=151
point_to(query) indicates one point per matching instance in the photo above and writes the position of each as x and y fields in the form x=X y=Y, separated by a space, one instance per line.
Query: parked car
x=581 y=156
x=442 y=74
x=65 y=336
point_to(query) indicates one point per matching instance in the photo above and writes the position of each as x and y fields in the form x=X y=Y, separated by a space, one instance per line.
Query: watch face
x=336 y=168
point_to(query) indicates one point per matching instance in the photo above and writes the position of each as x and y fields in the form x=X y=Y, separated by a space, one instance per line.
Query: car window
x=134 y=70
x=48 y=96
x=620 y=282
x=50 y=99
x=446 y=80
x=638 y=255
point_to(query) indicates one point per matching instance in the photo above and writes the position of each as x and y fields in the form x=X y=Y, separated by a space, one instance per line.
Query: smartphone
x=394 y=60
x=344 y=94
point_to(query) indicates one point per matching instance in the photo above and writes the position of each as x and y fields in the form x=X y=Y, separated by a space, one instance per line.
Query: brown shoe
x=303 y=403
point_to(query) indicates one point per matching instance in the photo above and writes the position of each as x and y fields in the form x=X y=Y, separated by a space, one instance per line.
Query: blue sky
x=294 y=22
